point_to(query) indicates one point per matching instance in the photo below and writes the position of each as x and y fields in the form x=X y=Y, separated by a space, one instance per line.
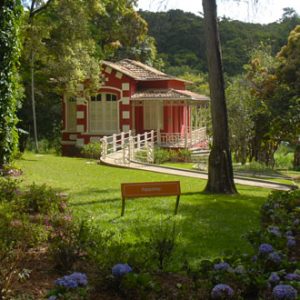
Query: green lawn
x=209 y=224
x=249 y=174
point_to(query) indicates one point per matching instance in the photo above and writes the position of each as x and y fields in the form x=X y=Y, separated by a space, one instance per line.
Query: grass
x=208 y=224
x=247 y=173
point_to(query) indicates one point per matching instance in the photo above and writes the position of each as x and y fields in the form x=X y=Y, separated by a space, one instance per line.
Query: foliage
x=63 y=57
x=18 y=234
x=283 y=157
x=91 y=150
x=273 y=263
x=288 y=72
x=136 y=285
x=68 y=241
x=8 y=189
x=161 y=155
x=72 y=287
x=40 y=199
x=265 y=109
x=180 y=35
x=10 y=13
x=162 y=243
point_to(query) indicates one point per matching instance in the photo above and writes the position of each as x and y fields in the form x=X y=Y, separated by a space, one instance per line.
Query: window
x=96 y=97
x=111 y=97
x=104 y=113
x=71 y=114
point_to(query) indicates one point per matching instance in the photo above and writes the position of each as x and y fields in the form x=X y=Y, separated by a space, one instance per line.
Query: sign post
x=150 y=189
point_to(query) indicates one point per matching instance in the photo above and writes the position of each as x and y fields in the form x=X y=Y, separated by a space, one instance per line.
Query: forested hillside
x=180 y=39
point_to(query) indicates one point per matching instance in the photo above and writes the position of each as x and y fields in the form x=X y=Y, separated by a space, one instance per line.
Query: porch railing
x=125 y=145
x=183 y=140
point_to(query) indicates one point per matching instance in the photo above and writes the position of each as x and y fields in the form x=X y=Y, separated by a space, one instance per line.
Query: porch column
x=185 y=125
x=158 y=113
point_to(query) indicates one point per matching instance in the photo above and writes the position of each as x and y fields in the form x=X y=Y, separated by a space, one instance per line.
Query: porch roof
x=167 y=94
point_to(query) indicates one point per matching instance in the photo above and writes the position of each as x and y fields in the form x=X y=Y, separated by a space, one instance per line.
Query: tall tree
x=10 y=13
x=220 y=172
x=34 y=8
x=289 y=73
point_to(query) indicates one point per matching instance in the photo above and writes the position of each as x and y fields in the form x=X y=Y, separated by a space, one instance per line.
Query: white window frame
x=102 y=127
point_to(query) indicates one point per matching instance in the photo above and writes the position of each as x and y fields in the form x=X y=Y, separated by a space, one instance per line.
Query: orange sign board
x=150 y=189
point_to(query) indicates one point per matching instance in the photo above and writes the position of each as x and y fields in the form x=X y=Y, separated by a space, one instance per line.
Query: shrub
x=40 y=199
x=8 y=189
x=68 y=242
x=91 y=150
x=161 y=155
x=73 y=286
x=284 y=157
x=17 y=235
x=184 y=155
x=162 y=243
x=141 y=156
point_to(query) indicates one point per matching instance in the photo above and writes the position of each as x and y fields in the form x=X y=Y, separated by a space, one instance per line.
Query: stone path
x=116 y=160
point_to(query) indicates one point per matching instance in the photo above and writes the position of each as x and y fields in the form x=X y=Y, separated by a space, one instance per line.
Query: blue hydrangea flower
x=274 y=278
x=80 y=278
x=289 y=233
x=52 y=298
x=291 y=242
x=275 y=258
x=72 y=281
x=284 y=292
x=222 y=291
x=254 y=258
x=265 y=249
x=222 y=266
x=120 y=270
x=292 y=277
x=274 y=230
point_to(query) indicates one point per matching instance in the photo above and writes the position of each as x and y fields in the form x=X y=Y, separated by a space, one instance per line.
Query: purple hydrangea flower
x=289 y=233
x=222 y=266
x=254 y=258
x=265 y=249
x=291 y=242
x=292 y=277
x=72 y=281
x=222 y=291
x=274 y=278
x=274 y=230
x=275 y=258
x=80 y=278
x=120 y=270
x=284 y=292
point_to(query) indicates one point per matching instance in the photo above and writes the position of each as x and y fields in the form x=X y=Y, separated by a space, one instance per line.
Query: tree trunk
x=296 y=163
x=220 y=173
x=33 y=104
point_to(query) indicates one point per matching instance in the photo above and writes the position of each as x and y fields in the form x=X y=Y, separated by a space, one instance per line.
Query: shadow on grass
x=93 y=202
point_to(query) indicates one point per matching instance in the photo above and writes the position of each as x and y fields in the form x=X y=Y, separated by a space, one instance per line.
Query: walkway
x=116 y=160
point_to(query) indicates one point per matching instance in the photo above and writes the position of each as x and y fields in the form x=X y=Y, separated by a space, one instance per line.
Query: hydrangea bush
x=272 y=270
x=73 y=286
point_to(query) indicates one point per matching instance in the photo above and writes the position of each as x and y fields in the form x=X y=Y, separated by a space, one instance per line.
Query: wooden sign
x=150 y=189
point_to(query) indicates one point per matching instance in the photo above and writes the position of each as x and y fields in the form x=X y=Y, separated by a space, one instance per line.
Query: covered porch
x=177 y=116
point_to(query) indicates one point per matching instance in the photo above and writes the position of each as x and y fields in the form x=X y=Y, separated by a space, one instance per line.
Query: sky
x=266 y=11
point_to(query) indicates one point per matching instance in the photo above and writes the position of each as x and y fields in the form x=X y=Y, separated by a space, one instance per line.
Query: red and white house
x=133 y=97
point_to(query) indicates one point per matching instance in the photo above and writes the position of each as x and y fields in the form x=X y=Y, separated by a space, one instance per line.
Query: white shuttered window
x=103 y=113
